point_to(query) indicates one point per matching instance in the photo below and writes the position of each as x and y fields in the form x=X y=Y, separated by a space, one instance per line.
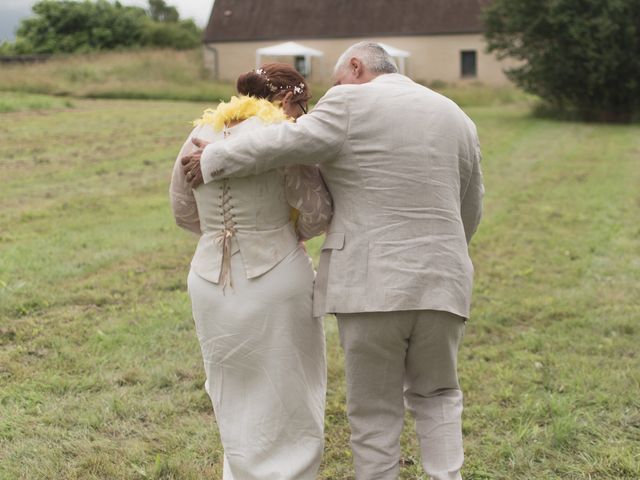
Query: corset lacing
x=225 y=237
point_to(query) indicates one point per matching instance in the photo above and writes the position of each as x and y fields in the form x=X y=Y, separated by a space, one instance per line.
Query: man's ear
x=356 y=65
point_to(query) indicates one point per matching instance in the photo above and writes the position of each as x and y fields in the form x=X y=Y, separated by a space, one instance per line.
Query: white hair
x=372 y=55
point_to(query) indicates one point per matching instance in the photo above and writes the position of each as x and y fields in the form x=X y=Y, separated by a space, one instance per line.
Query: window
x=301 y=65
x=468 y=63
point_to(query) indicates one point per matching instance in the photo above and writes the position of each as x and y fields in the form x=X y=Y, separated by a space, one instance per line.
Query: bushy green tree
x=161 y=12
x=65 y=26
x=180 y=35
x=68 y=26
x=582 y=55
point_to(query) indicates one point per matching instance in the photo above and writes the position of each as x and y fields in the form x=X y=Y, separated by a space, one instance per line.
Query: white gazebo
x=290 y=49
x=400 y=55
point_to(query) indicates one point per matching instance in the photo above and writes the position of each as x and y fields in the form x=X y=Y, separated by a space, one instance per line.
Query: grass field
x=100 y=370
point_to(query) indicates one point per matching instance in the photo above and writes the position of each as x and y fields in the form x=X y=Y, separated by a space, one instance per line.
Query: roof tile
x=250 y=20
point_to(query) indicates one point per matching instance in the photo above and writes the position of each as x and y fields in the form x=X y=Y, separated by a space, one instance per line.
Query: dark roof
x=245 y=20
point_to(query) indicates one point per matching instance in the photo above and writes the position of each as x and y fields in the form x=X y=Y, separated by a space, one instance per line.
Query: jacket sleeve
x=308 y=194
x=183 y=202
x=317 y=137
x=471 y=202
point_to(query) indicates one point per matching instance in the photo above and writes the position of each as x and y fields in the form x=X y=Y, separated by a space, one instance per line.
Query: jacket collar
x=390 y=77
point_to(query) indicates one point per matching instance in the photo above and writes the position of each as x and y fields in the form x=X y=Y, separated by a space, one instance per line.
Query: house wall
x=433 y=58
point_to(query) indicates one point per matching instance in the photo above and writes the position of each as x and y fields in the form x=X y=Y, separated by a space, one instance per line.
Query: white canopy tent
x=400 y=55
x=289 y=49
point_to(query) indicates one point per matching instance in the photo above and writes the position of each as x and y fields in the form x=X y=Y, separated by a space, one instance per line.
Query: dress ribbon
x=224 y=239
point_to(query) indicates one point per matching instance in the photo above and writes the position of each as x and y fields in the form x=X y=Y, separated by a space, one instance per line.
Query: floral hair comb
x=297 y=89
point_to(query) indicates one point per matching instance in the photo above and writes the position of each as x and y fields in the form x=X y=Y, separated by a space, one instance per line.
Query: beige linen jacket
x=402 y=164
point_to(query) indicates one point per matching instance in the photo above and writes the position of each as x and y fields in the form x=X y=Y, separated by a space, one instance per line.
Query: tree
x=582 y=55
x=161 y=12
x=67 y=26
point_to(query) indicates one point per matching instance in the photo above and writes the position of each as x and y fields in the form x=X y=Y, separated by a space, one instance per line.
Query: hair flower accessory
x=297 y=89
x=272 y=88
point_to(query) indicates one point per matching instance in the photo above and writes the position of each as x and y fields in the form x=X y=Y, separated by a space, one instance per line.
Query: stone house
x=436 y=40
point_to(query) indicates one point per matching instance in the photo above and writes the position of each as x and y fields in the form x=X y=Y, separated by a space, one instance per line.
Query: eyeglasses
x=302 y=107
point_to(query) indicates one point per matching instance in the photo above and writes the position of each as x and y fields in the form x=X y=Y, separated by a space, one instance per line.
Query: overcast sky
x=12 y=11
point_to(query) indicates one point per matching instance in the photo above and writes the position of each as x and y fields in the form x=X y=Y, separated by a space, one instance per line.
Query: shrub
x=578 y=55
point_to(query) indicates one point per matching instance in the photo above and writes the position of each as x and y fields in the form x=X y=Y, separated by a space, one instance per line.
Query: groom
x=403 y=166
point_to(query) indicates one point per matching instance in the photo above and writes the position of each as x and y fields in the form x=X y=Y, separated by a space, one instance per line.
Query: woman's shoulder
x=206 y=132
x=251 y=123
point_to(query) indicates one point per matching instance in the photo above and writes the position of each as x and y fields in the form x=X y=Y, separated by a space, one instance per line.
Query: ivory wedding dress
x=251 y=284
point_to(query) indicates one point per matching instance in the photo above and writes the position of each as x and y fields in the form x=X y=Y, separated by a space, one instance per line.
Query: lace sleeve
x=308 y=194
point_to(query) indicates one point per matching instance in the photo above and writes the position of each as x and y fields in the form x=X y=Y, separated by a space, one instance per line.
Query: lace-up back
x=248 y=215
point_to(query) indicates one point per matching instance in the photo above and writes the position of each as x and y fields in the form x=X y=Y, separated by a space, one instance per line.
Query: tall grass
x=173 y=75
x=144 y=74
x=479 y=95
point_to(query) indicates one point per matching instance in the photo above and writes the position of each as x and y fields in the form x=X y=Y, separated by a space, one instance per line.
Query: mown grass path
x=100 y=370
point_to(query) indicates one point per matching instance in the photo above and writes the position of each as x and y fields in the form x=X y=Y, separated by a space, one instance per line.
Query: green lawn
x=19 y=102
x=100 y=370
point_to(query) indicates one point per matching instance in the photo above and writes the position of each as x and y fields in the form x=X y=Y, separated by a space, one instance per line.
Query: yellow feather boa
x=241 y=108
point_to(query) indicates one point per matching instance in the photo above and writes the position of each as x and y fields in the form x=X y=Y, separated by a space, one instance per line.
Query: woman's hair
x=272 y=81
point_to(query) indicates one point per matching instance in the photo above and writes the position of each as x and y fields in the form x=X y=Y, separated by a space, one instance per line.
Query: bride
x=251 y=284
